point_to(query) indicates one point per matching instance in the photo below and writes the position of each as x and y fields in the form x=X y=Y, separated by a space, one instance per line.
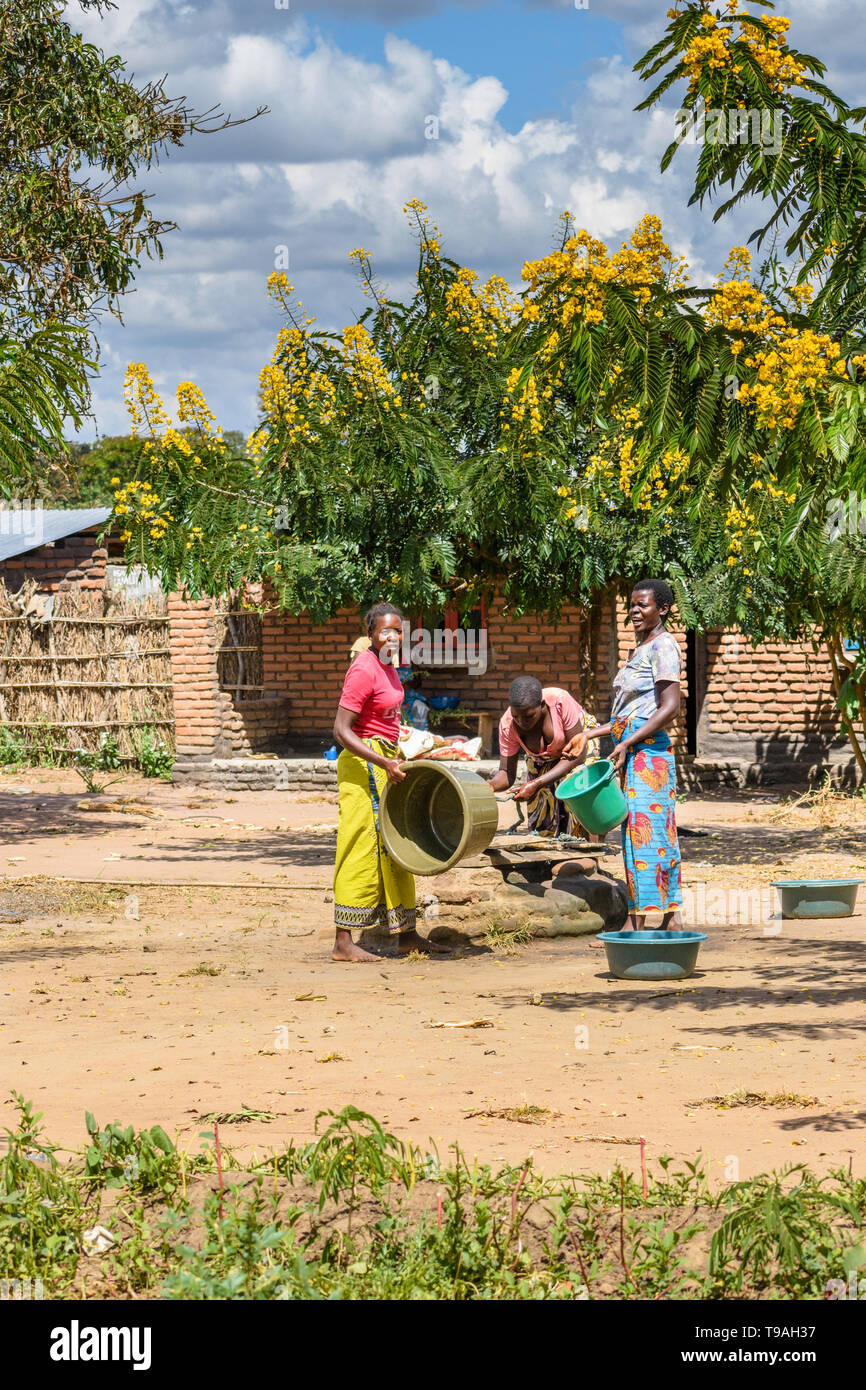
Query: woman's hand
x=393 y=770
x=576 y=747
x=527 y=791
x=619 y=756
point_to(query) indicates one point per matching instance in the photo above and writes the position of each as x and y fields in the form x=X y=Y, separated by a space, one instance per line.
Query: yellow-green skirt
x=369 y=888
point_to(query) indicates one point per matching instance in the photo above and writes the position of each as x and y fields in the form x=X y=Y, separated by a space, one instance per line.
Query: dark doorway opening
x=693 y=702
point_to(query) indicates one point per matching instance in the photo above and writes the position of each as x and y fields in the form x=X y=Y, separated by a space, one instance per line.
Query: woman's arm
x=576 y=746
x=345 y=734
x=668 y=707
x=560 y=769
x=504 y=778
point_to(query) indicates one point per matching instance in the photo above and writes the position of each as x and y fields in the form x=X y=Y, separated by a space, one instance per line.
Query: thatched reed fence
x=79 y=665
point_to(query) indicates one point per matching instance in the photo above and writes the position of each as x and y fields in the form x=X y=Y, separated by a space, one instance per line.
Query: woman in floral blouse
x=646 y=702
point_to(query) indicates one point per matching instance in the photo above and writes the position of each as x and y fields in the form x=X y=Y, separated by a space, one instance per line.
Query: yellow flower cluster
x=483 y=313
x=799 y=362
x=739 y=522
x=257 y=442
x=788 y=361
x=139 y=503
x=431 y=241
x=366 y=368
x=146 y=410
x=658 y=481
x=173 y=439
x=279 y=288
x=740 y=305
x=193 y=410
x=365 y=269
x=716 y=50
x=770 y=485
x=523 y=403
x=293 y=393
x=674 y=463
x=578 y=274
x=618 y=465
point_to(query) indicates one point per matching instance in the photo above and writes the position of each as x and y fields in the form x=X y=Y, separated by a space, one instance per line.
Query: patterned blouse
x=634 y=690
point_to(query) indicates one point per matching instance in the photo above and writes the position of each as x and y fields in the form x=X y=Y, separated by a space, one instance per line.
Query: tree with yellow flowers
x=607 y=418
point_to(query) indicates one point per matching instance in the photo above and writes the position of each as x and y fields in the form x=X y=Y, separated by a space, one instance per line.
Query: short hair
x=524 y=692
x=379 y=610
x=661 y=591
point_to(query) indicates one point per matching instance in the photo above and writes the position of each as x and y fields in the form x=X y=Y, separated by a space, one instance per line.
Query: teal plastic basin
x=593 y=795
x=652 y=955
x=817 y=897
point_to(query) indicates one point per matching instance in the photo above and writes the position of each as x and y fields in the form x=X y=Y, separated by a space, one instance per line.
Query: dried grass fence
x=75 y=666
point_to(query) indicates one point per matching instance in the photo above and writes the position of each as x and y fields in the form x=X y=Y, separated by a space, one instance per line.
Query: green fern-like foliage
x=43 y=387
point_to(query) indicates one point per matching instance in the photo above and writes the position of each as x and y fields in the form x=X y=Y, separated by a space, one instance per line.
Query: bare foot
x=410 y=941
x=345 y=949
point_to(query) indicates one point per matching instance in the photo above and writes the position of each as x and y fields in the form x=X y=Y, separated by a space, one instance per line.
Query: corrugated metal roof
x=26 y=528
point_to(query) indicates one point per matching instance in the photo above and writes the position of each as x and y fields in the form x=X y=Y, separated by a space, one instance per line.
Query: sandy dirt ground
x=187 y=972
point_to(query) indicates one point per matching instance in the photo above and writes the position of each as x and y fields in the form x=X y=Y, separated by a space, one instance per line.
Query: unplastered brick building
x=255 y=689
x=751 y=714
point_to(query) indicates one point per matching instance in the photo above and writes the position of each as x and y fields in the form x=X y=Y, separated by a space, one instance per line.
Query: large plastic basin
x=436 y=816
x=817 y=897
x=652 y=955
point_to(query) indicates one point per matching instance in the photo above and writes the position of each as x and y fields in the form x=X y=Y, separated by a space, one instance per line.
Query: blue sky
x=541 y=55
x=535 y=104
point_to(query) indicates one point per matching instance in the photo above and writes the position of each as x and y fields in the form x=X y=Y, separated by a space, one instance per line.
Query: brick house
x=762 y=714
x=57 y=549
x=251 y=692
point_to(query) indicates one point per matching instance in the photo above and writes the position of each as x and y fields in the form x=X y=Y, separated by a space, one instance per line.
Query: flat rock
x=597 y=893
x=574 y=868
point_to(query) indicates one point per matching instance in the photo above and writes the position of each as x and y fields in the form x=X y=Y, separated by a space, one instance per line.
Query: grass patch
x=507 y=941
x=357 y=1214
x=333 y=1057
x=519 y=1114
x=246 y=1115
x=202 y=969
x=779 y=1100
x=825 y=805
x=87 y=898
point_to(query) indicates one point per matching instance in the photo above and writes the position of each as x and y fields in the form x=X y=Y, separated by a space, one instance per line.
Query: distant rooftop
x=26 y=528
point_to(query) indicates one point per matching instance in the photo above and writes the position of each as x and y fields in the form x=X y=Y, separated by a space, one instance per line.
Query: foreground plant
x=357 y=1214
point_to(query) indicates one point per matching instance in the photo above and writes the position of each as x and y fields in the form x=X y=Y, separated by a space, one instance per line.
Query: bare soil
x=188 y=971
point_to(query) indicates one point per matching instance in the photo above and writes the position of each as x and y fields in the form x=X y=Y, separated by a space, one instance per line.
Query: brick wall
x=308 y=662
x=208 y=721
x=76 y=562
x=770 y=704
x=763 y=712
x=197 y=709
x=250 y=725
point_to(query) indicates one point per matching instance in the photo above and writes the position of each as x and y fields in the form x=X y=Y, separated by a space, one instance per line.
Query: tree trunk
x=837 y=660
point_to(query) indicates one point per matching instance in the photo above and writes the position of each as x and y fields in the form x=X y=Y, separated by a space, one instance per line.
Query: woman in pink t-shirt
x=369 y=888
x=537 y=724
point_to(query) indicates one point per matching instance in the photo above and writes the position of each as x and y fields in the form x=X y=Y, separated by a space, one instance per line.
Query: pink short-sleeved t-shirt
x=374 y=692
x=565 y=712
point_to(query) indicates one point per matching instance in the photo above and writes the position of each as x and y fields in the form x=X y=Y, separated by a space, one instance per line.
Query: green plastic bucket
x=436 y=816
x=593 y=795
x=652 y=955
x=817 y=897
